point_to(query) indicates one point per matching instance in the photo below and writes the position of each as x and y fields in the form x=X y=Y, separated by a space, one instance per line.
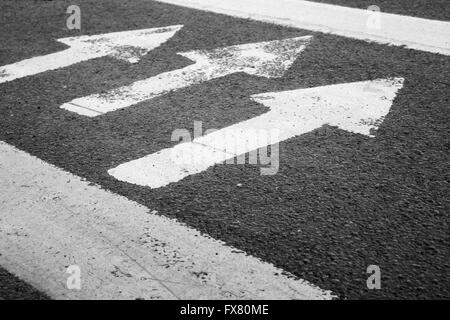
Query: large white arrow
x=357 y=107
x=125 y=45
x=265 y=59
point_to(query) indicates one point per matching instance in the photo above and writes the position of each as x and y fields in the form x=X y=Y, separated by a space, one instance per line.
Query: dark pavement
x=340 y=201
x=12 y=288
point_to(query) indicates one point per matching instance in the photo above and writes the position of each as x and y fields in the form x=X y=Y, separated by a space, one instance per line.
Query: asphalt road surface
x=339 y=202
x=12 y=288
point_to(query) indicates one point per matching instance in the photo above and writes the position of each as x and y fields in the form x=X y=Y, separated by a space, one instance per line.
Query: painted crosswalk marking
x=265 y=59
x=129 y=46
x=52 y=219
x=357 y=107
x=393 y=29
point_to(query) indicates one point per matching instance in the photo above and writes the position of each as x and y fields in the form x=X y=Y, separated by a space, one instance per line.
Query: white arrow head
x=358 y=107
x=125 y=45
x=265 y=59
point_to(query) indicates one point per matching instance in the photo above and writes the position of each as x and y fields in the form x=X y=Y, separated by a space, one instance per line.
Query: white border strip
x=51 y=219
x=411 y=32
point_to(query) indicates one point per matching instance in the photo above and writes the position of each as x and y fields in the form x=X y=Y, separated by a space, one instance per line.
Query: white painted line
x=264 y=59
x=357 y=107
x=51 y=219
x=129 y=46
x=415 y=33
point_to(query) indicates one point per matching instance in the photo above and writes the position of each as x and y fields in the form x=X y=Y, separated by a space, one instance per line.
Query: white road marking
x=51 y=219
x=411 y=32
x=357 y=107
x=125 y=45
x=264 y=59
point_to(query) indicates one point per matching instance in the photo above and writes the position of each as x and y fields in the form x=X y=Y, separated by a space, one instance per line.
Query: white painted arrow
x=357 y=107
x=265 y=59
x=125 y=45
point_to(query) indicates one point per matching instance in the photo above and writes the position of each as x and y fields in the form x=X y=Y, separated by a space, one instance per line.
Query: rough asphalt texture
x=340 y=201
x=12 y=288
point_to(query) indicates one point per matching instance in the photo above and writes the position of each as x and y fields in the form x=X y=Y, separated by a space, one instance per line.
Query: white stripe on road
x=415 y=33
x=358 y=107
x=264 y=59
x=51 y=219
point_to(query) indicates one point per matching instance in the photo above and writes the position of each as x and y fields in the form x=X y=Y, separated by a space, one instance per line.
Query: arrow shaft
x=239 y=138
x=52 y=61
x=143 y=90
x=173 y=164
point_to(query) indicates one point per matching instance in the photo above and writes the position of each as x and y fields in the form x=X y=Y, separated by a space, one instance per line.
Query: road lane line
x=411 y=32
x=51 y=219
